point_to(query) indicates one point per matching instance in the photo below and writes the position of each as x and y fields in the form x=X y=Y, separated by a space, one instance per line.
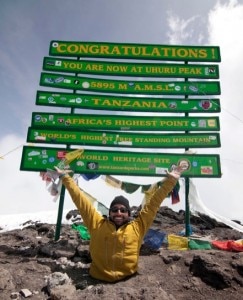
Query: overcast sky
x=26 y=29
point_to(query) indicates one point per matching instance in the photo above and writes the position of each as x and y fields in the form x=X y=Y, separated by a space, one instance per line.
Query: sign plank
x=142 y=104
x=119 y=122
x=122 y=163
x=123 y=139
x=135 y=51
x=131 y=69
x=130 y=87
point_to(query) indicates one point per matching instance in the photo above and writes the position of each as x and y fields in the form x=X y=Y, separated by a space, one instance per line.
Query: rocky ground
x=33 y=265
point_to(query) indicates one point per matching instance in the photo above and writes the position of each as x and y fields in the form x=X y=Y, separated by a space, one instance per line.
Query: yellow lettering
x=104 y=49
x=94 y=49
x=123 y=86
x=161 y=160
x=61 y=48
x=133 y=50
x=136 y=69
x=114 y=68
x=170 y=123
x=115 y=50
x=155 y=52
x=94 y=67
x=202 y=53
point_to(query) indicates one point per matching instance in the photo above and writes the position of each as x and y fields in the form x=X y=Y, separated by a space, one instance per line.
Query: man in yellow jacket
x=115 y=241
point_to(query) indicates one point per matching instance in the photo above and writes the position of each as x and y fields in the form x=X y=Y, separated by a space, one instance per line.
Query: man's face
x=119 y=215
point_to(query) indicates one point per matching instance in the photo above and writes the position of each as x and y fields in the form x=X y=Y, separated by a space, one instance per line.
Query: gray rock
x=26 y=293
x=6 y=280
x=57 y=278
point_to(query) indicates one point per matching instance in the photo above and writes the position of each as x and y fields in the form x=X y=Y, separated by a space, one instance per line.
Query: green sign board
x=130 y=69
x=118 y=122
x=122 y=163
x=142 y=104
x=130 y=87
x=123 y=139
x=135 y=51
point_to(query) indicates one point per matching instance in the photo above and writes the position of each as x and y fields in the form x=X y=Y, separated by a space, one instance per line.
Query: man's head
x=119 y=212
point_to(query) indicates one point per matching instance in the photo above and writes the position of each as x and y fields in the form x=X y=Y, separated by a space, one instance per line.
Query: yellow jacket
x=114 y=252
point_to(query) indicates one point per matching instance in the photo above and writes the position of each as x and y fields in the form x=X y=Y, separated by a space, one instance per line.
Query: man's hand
x=176 y=172
x=62 y=172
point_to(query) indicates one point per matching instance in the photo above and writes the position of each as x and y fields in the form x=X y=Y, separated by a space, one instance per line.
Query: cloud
x=25 y=192
x=34 y=26
x=21 y=192
x=221 y=28
x=180 y=30
x=224 y=26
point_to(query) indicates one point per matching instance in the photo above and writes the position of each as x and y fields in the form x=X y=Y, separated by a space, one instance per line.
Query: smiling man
x=119 y=212
x=115 y=241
